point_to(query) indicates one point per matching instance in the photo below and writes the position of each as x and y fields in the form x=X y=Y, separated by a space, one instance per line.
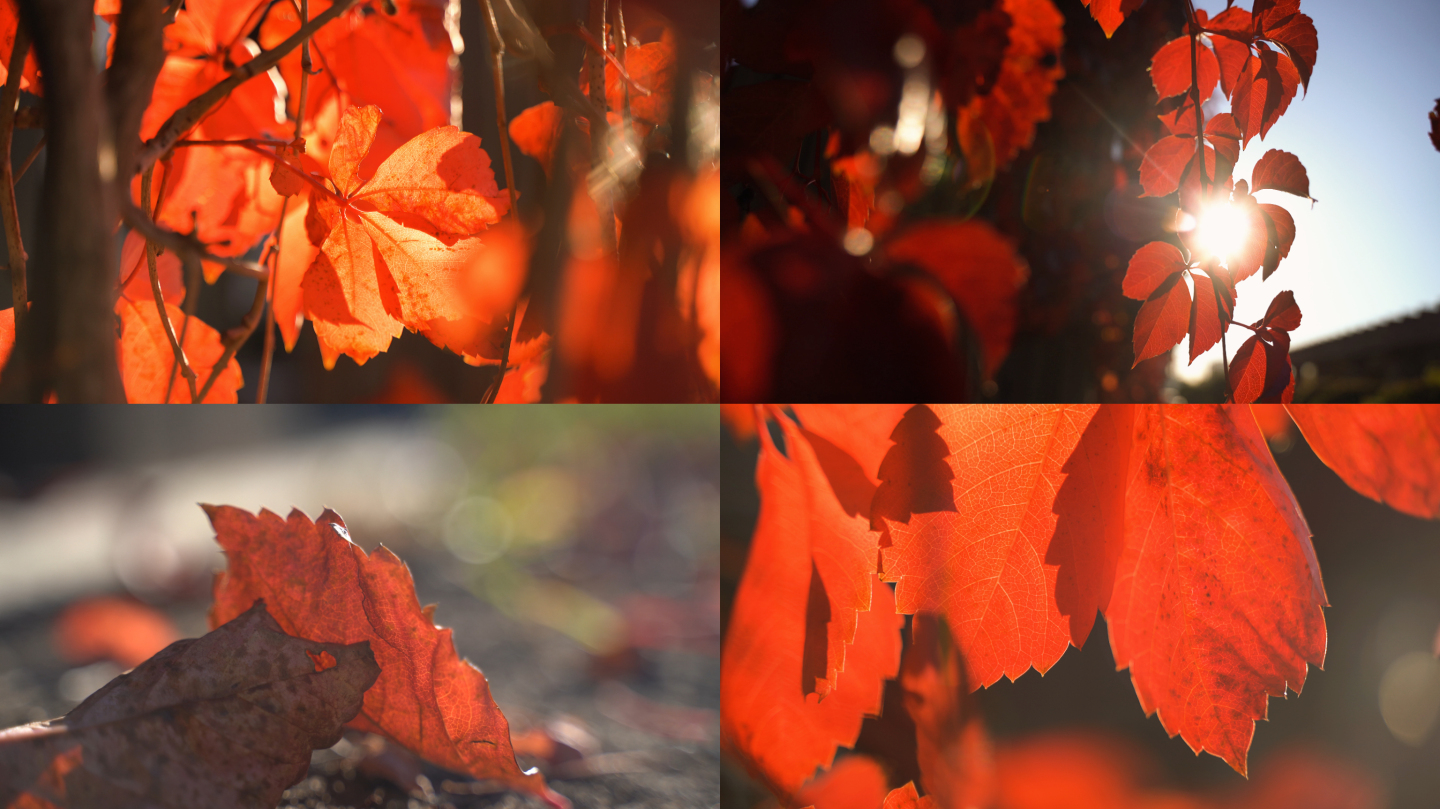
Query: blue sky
x=1367 y=251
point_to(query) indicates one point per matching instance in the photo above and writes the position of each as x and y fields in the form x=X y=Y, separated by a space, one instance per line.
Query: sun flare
x=1221 y=230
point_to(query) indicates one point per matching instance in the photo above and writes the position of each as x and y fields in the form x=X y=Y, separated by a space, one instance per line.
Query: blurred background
x=573 y=550
x=1363 y=735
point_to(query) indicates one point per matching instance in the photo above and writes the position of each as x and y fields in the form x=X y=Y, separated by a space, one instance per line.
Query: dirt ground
x=536 y=675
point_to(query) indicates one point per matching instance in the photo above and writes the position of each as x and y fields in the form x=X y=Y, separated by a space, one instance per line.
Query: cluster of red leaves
x=1017 y=526
x=907 y=302
x=376 y=222
x=1234 y=52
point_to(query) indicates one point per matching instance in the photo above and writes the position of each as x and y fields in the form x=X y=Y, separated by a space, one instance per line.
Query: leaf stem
x=16 y=248
x=237 y=336
x=159 y=293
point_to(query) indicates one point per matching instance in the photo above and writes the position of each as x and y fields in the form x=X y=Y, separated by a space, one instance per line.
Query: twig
x=8 y=211
x=34 y=153
x=159 y=294
x=497 y=55
x=603 y=51
x=181 y=243
x=304 y=75
x=1225 y=364
x=185 y=118
x=1195 y=94
x=237 y=336
x=194 y=282
x=267 y=358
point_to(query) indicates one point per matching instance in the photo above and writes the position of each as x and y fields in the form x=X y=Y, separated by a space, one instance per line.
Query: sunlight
x=1221 y=230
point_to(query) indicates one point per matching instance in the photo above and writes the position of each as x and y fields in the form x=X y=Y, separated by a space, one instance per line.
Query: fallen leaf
x=226 y=720
x=316 y=581
x=110 y=628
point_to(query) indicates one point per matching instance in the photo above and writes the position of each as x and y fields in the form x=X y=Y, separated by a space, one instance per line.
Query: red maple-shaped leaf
x=1170 y=69
x=226 y=720
x=395 y=243
x=980 y=269
x=1260 y=371
x=773 y=717
x=1389 y=453
x=1013 y=560
x=1217 y=597
x=317 y=583
x=147 y=361
x=392 y=55
x=1110 y=13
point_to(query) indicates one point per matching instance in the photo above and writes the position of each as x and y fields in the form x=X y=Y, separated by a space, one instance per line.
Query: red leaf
x=979 y=267
x=855 y=782
x=1110 y=13
x=135 y=273
x=1281 y=171
x=1163 y=319
x=1150 y=267
x=318 y=583
x=232 y=716
x=1284 y=226
x=1164 y=164
x=907 y=798
x=7 y=334
x=1206 y=320
x=1170 y=69
x=1387 y=452
x=1281 y=22
x=1231 y=36
x=393 y=258
x=1029 y=72
x=1217 y=596
x=953 y=749
x=1283 y=313
x=147 y=362
x=1251 y=254
x=781 y=733
x=862 y=431
x=536 y=131
x=1263 y=92
x=109 y=628
x=1260 y=372
x=1018 y=572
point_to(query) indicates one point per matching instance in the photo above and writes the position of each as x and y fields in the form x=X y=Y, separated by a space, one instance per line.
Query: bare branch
x=183 y=244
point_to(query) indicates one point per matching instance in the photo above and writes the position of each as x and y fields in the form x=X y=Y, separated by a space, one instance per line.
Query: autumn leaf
x=147 y=361
x=1281 y=171
x=226 y=720
x=1389 y=453
x=1170 y=69
x=773 y=719
x=906 y=797
x=135 y=273
x=855 y=782
x=953 y=748
x=980 y=269
x=9 y=20
x=1164 y=318
x=317 y=582
x=1263 y=91
x=109 y=628
x=1110 y=13
x=860 y=431
x=1021 y=561
x=1171 y=161
x=536 y=131
x=1217 y=596
x=1020 y=99
x=1260 y=370
x=395 y=243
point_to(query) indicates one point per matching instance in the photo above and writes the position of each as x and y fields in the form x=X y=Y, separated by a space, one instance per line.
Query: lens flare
x=1221 y=230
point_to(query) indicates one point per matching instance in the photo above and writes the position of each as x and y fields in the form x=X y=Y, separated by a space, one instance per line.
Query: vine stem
x=497 y=72
x=16 y=248
x=1200 y=158
x=155 y=289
